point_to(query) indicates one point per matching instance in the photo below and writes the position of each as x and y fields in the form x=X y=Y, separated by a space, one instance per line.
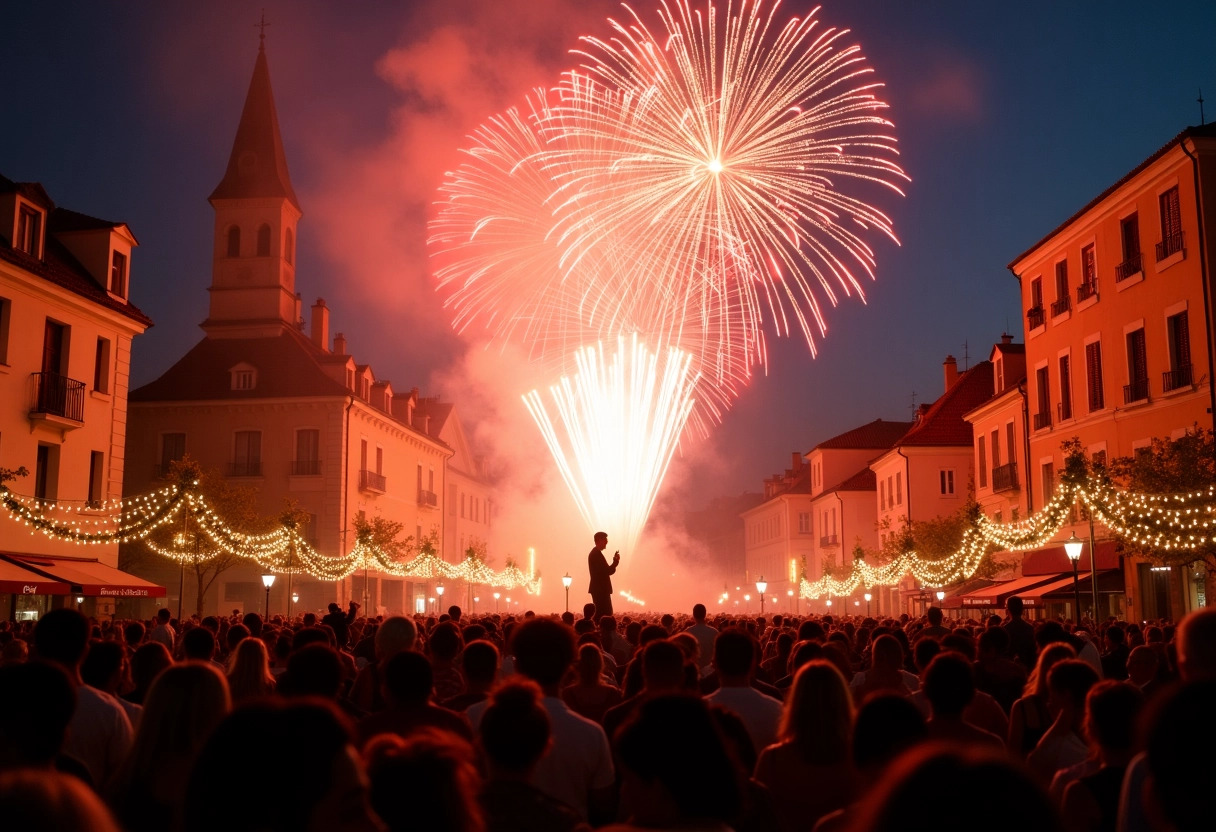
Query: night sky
x=1010 y=117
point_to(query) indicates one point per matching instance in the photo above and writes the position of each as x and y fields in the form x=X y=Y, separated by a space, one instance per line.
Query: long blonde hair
x=249 y=673
x=1036 y=682
x=818 y=716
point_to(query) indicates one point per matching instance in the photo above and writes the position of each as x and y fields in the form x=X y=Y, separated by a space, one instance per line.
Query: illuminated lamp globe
x=1073 y=546
x=268 y=580
x=761 y=585
x=567 y=580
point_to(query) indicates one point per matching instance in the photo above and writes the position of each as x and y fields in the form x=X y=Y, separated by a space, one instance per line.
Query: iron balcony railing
x=1034 y=317
x=1176 y=378
x=1087 y=290
x=245 y=469
x=1137 y=391
x=305 y=467
x=1170 y=245
x=1042 y=420
x=1059 y=307
x=56 y=395
x=371 y=481
x=829 y=540
x=1005 y=478
x=1128 y=267
x=428 y=498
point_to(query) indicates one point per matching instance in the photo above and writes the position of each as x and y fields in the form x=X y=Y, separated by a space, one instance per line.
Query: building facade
x=66 y=327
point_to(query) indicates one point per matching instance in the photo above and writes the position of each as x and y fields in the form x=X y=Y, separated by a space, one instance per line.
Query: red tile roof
x=863 y=480
x=878 y=435
x=943 y=423
x=437 y=410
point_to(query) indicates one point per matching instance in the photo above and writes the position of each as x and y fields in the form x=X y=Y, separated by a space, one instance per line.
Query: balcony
x=1170 y=245
x=245 y=469
x=1034 y=317
x=58 y=400
x=1176 y=378
x=306 y=467
x=428 y=499
x=372 y=481
x=1042 y=420
x=1137 y=391
x=1005 y=478
x=829 y=540
x=1128 y=267
x=1087 y=290
x=1059 y=307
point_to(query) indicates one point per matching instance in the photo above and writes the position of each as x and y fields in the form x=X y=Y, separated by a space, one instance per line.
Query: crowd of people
x=637 y=721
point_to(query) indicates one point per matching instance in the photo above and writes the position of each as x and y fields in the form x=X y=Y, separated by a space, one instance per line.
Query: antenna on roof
x=966 y=358
x=1200 y=100
x=912 y=406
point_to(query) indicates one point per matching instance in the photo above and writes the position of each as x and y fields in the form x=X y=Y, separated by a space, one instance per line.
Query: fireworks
x=688 y=187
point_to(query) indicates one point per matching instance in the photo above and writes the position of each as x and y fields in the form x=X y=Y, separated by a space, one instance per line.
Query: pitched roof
x=62 y=219
x=878 y=435
x=1203 y=131
x=942 y=423
x=863 y=480
x=33 y=191
x=437 y=410
x=258 y=165
x=287 y=366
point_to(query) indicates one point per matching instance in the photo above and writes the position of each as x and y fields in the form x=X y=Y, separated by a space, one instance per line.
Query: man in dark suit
x=601 y=575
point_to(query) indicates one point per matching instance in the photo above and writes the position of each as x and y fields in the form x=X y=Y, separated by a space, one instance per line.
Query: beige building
x=291 y=411
x=1118 y=311
x=66 y=326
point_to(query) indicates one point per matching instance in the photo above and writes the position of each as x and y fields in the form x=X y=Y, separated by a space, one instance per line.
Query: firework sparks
x=619 y=419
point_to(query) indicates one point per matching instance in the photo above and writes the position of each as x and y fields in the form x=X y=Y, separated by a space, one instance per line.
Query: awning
x=994 y=596
x=87 y=576
x=1062 y=583
x=1110 y=582
x=17 y=580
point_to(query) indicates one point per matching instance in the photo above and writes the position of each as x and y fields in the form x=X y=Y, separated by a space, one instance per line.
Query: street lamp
x=79 y=600
x=1072 y=547
x=868 y=596
x=829 y=602
x=761 y=586
x=497 y=595
x=566 y=581
x=439 y=589
x=748 y=599
x=941 y=595
x=268 y=582
x=295 y=599
x=432 y=602
x=790 y=593
x=476 y=598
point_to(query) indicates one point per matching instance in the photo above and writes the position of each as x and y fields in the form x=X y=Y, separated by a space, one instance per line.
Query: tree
x=1170 y=466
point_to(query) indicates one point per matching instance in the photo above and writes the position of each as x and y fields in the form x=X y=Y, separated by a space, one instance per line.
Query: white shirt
x=761 y=714
x=164 y=634
x=579 y=760
x=706 y=636
x=99 y=735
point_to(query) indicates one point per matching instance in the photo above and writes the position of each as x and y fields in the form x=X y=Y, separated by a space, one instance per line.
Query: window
x=263 y=240
x=882 y=494
x=1098 y=458
x=247 y=454
x=1178 y=333
x=983 y=462
x=96 y=478
x=362 y=454
x=1042 y=416
x=243 y=379
x=172 y=448
x=1010 y=447
x=452 y=500
x=29 y=231
x=1089 y=267
x=430 y=481
x=1034 y=315
x=308 y=452
x=6 y=311
x=234 y=241
x=1049 y=480
x=118 y=274
x=1065 y=389
x=379 y=460
x=1137 y=367
x=996 y=449
x=1093 y=375
x=420 y=482
x=1171 y=224
x=946 y=480
x=1062 y=302
x=46 y=472
x=462 y=506
x=1129 y=235
x=289 y=242
x=55 y=340
x=101 y=366
x=899 y=488
x=804 y=522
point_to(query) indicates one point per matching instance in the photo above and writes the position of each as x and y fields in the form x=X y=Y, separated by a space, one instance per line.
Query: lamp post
x=941 y=595
x=1093 y=567
x=295 y=599
x=497 y=595
x=268 y=582
x=748 y=605
x=439 y=589
x=476 y=598
x=868 y=596
x=1072 y=547
x=790 y=593
x=829 y=602
x=761 y=586
x=566 y=581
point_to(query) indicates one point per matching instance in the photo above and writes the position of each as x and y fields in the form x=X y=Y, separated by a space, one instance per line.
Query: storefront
x=30 y=585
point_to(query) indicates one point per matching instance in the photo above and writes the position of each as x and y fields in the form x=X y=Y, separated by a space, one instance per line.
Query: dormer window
x=366 y=391
x=118 y=274
x=350 y=379
x=29 y=231
x=244 y=376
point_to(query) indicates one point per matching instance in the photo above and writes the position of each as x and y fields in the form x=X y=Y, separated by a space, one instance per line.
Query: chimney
x=340 y=344
x=299 y=320
x=1006 y=338
x=950 y=366
x=320 y=324
x=795 y=461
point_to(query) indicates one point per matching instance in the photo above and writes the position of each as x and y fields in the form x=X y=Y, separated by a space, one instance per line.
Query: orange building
x=1118 y=312
x=293 y=413
x=66 y=326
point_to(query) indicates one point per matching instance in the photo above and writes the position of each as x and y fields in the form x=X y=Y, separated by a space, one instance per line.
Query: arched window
x=289 y=242
x=264 y=240
x=234 y=241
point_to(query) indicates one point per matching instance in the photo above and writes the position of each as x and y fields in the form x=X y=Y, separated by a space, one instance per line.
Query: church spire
x=257 y=166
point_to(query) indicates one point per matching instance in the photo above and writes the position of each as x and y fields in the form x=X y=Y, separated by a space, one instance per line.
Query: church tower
x=256 y=212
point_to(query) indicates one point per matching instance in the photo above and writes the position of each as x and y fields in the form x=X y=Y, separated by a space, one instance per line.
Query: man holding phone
x=601 y=575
